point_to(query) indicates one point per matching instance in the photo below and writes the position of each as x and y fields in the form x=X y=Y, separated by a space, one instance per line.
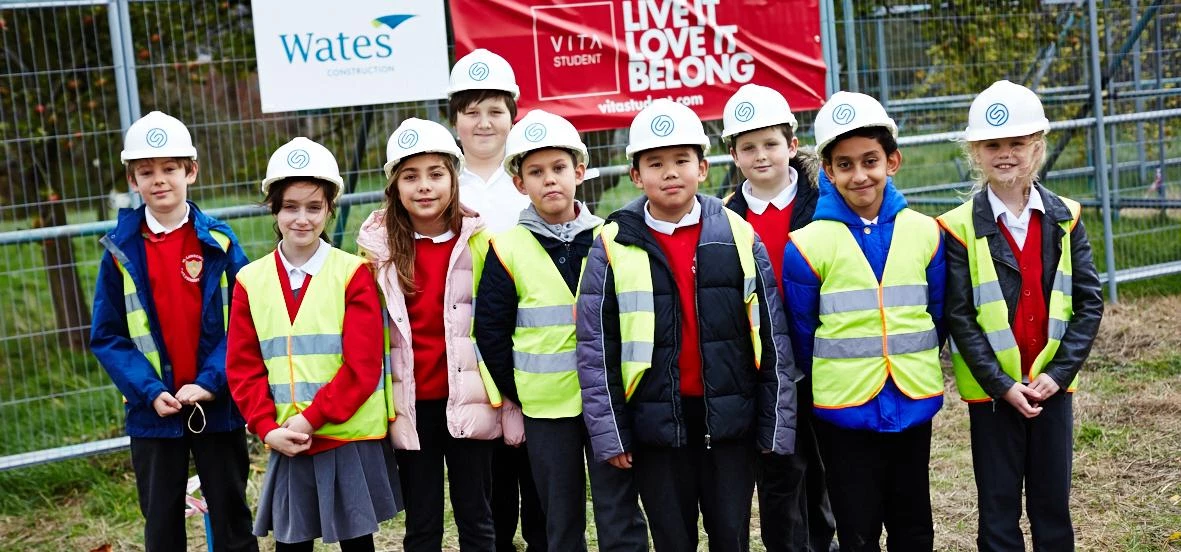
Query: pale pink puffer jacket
x=470 y=414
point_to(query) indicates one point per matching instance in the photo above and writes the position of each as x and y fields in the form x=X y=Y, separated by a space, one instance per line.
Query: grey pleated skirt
x=335 y=495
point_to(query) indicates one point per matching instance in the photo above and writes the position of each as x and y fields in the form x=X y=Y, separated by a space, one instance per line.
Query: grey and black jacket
x=1086 y=293
x=740 y=401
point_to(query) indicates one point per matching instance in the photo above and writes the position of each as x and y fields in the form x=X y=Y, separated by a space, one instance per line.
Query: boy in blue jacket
x=865 y=314
x=159 y=326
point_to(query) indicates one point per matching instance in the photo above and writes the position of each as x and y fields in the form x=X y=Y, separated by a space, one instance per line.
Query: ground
x=1127 y=464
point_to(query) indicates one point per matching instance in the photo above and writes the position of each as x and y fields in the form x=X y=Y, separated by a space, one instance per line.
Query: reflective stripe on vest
x=870 y=331
x=138 y=327
x=303 y=356
x=544 y=361
x=637 y=314
x=992 y=313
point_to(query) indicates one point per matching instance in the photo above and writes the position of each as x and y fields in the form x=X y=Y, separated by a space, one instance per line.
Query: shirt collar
x=667 y=228
x=441 y=238
x=869 y=222
x=313 y=265
x=780 y=201
x=1000 y=211
x=472 y=179
x=155 y=227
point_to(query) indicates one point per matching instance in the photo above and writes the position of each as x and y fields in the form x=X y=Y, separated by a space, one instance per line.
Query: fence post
x=1101 y=153
x=850 y=45
x=126 y=84
x=883 y=73
x=828 y=46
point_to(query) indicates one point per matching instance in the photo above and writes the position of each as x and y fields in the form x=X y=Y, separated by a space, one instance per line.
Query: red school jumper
x=680 y=249
x=773 y=226
x=1031 y=321
x=425 y=310
x=175 y=267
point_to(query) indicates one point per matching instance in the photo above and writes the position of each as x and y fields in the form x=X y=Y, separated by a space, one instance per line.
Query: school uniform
x=187 y=268
x=1047 y=291
x=539 y=372
x=859 y=301
x=496 y=200
x=698 y=393
x=794 y=508
x=346 y=483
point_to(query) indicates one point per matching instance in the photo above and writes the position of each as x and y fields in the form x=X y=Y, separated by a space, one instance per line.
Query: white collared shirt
x=868 y=222
x=780 y=201
x=1018 y=225
x=155 y=227
x=441 y=238
x=667 y=228
x=297 y=274
x=496 y=200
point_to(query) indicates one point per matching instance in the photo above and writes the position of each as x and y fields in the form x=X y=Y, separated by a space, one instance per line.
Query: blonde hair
x=976 y=172
x=399 y=230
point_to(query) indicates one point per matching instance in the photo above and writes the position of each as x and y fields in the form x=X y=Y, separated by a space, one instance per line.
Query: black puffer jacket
x=741 y=402
x=1086 y=293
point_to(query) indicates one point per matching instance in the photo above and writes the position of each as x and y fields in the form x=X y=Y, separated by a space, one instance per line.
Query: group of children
x=680 y=353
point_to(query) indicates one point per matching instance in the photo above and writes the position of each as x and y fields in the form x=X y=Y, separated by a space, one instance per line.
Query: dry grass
x=1127 y=465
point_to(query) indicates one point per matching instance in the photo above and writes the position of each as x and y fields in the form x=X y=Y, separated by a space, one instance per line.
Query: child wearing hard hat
x=524 y=331
x=777 y=197
x=683 y=354
x=305 y=367
x=1023 y=306
x=423 y=245
x=171 y=369
x=482 y=105
x=863 y=284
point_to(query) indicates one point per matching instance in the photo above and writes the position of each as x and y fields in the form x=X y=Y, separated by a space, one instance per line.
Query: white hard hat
x=1005 y=110
x=483 y=70
x=415 y=136
x=303 y=158
x=157 y=135
x=846 y=111
x=754 y=107
x=538 y=130
x=665 y=123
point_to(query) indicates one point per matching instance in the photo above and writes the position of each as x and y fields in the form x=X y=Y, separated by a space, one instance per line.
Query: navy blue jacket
x=890 y=411
x=740 y=401
x=129 y=369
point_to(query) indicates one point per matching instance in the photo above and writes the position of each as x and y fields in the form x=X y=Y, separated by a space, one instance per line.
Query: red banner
x=599 y=62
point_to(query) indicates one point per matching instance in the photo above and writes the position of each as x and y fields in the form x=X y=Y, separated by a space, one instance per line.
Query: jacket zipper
x=701 y=355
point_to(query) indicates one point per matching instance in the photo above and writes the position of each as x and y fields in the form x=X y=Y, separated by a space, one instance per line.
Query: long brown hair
x=399 y=230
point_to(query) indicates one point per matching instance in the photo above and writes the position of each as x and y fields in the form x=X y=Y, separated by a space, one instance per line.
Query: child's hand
x=623 y=461
x=299 y=424
x=1024 y=399
x=1045 y=386
x=192 y=393
x=166 y=405
x=288 y=442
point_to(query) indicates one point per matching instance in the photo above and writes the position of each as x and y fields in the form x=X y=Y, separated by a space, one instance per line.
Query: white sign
x=314 y=54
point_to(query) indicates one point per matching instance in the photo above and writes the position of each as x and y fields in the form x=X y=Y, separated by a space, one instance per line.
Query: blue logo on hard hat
x=407 y=139
x=843 y=114
x=156 y=137
x=744 y=112
x=298 y=159
x=478 y=71
x=996 y=114
x=535 y=132
x=662 y=125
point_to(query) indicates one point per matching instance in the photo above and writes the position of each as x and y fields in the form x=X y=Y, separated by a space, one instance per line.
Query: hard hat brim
x=510 y=161
x=134 y=155
x=266 y=183
x=992 y=133
x=732 y=131
x=513 y=90
x=389 y=165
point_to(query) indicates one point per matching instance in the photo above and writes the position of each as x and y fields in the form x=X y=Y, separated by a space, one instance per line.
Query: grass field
x=1127 y=475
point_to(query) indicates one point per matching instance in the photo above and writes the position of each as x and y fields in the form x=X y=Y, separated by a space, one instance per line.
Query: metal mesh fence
x=67 y=88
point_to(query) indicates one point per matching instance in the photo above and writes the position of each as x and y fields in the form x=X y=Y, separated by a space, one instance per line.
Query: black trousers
x=675 y=483
x=558 y=449
x=794 y=510
x=877 y=479
x=513 y=493
x=1008 y=450
x=162 y=472
x=469 y=474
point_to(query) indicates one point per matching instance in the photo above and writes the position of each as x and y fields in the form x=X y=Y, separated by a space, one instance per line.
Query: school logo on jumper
x=535 y=132
x=997 y=114
x=478 y=71
x=843 y=114
x=157 y=137
x=407 y=139
x=190 y=267
x=298 y=159
x=662 y=125
x=744 y=112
